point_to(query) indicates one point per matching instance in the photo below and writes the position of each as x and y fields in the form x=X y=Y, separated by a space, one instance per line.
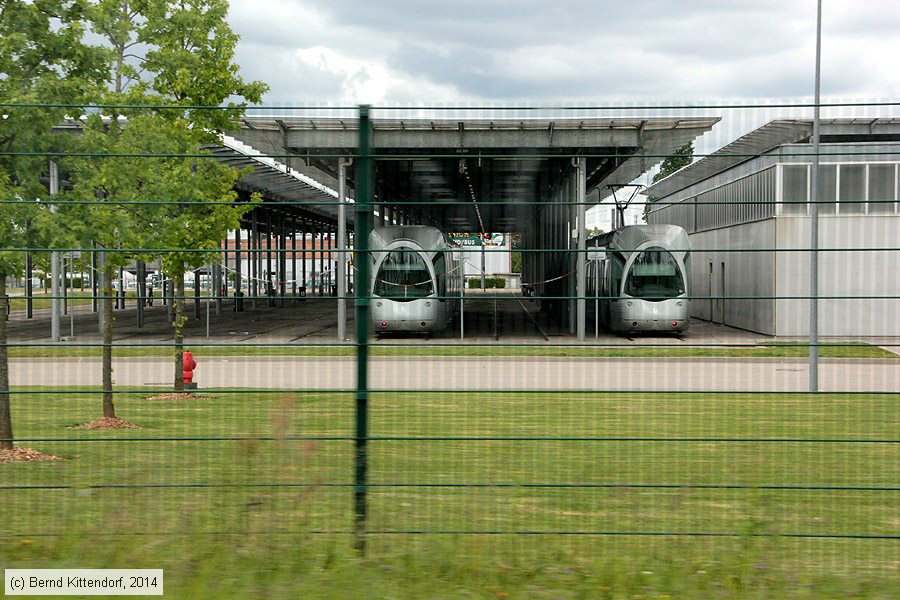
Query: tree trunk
x=109 y=408
x=178 y=324
x=6 y=433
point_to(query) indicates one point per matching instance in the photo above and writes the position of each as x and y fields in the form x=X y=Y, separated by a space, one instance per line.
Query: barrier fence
x=525 y=432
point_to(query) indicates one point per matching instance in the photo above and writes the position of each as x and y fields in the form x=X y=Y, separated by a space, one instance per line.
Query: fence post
x=361 y=241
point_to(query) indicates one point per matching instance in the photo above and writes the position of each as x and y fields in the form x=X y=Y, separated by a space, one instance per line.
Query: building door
x=709 y=292
x=719 y=313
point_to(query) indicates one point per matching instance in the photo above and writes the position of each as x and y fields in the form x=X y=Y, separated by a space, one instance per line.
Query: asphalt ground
x=489 y=318
x=532 y=373
x=497 y=319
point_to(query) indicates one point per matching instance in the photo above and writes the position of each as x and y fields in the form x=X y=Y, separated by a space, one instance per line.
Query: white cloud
x=567 y=51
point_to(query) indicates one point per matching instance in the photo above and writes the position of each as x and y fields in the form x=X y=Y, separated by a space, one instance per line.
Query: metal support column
x=331 y=262
x=29 y=287
x=141 y=288
x=363 y=226
x=322 y=261
x=581 y=259
x=304 y=291
x=282 y=261
x=314 y=276
x=253 y=245
x=197 y=295
x=238 y=278
x=64 y=284
x=342 y=250
x=120 y=297
x=54 y=263
x=293 y=257
x=568 y=212
x=270 y=283
x=218 y=286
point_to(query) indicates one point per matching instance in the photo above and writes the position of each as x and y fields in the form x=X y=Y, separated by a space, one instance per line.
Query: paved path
x=518 y=373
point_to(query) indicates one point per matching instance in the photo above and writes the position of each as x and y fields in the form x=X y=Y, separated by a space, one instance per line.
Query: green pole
x=363 y=226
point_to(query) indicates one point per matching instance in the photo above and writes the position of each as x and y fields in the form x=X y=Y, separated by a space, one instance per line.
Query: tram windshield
x=403 y=276
x=654 y=275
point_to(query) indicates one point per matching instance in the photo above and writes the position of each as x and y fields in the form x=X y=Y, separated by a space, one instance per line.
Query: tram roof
x=629 y=238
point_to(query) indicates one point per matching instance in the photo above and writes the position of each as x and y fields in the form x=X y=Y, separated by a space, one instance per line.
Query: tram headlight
x=628 y=303
x=679 y=303
x=378 y=304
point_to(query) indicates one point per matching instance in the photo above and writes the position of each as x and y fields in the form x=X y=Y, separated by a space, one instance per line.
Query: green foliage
x=152 y=202
x=489 y=283
x=515 y=258
x=593 y=232
x=682 y=157
x=42 y=60
x=178 y=203
x=192 y=61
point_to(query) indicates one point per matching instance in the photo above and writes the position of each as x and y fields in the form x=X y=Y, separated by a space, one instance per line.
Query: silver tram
x=417 y=278
x=639 y=277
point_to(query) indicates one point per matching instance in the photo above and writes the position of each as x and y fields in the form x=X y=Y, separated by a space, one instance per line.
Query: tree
x=515 y=258
x=43 y=60
x=105 y=220
x=192 y=65
x=682 y=157
x=183 y=201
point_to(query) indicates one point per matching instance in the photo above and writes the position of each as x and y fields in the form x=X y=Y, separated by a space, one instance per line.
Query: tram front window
x=403 y=276
x=654 y=275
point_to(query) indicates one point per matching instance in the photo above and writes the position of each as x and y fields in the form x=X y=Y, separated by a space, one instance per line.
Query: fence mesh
x=525 y=432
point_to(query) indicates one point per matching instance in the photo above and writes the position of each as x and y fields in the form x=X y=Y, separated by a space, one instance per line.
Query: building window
x=795 y=186
x=827 y=189
x=853 y=189
x=881 y=189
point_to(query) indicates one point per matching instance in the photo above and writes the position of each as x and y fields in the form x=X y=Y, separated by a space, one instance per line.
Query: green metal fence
x=621 y=459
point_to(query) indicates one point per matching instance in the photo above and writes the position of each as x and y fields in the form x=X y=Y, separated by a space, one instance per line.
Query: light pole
x=814 y=222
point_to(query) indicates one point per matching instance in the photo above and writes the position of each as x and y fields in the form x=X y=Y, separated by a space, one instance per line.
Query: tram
x=638 y=276
x=417 y=279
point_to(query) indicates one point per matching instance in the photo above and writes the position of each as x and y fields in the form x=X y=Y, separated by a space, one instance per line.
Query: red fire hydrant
x=188 y=364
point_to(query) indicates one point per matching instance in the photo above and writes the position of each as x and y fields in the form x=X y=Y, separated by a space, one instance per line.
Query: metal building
x=746 y=208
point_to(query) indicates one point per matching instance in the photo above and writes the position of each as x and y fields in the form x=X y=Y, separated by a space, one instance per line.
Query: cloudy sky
x=565 y=51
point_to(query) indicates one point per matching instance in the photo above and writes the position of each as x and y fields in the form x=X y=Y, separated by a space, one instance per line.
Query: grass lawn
x=249 y=494
x=774 y=350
